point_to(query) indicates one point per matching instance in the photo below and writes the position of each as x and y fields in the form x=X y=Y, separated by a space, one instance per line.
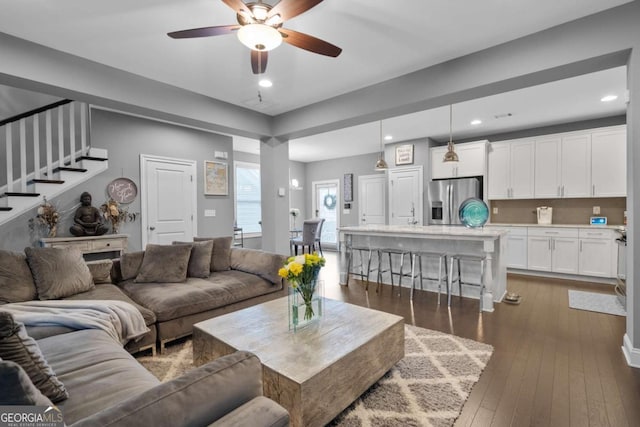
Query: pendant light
x=450 y=155
x=381 y=165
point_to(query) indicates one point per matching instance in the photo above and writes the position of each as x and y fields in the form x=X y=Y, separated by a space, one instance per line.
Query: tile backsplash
x=565 y=211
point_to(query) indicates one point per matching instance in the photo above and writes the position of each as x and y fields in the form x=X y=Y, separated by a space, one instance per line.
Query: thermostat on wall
x=598 y=220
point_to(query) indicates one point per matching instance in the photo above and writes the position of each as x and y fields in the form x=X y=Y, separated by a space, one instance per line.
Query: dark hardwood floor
x=552 y=365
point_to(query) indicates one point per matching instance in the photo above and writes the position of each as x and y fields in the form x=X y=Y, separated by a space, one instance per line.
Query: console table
x=89 y=244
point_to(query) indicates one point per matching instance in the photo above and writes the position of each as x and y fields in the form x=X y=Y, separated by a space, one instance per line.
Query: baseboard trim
x=552 y=275
x=630 y=353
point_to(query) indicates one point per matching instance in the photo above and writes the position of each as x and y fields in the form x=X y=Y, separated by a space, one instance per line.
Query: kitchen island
x=436 y=238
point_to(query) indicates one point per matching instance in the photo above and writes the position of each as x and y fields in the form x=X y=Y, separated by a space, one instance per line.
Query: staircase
x=46 y=152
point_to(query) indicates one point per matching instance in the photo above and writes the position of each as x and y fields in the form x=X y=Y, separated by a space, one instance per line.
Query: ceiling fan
x=260 y=29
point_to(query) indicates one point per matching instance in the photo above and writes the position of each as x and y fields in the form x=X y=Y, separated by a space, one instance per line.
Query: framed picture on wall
x=404 y=154
x=216 y=178
x=347 y=188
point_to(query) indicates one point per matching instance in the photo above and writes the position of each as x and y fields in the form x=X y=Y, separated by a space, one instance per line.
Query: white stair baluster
x=83 y=128
x=9 y=148
x=72 y=135
x=60 y=136
x=23 y=156
x=49 y=143
x=36 y=146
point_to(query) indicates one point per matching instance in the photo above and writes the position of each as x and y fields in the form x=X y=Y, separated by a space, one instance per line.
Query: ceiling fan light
x=259 y=11
x=259 y=37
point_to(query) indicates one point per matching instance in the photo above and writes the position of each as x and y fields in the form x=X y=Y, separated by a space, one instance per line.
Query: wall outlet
x=209 y=212
x=596 y=210
x=495 y=211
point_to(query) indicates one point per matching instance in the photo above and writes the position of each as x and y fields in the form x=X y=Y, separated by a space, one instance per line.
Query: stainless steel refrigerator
x=446 y=196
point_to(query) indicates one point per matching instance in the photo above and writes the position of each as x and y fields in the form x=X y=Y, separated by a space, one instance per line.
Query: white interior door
x=405 y=196
x=326 y=204
x=371 y=206
x=169 y=199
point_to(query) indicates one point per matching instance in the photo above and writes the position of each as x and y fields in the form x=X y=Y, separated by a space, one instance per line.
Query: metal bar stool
x=442 y=270
x=400 y=274
x=457 y=259
x=361 y=251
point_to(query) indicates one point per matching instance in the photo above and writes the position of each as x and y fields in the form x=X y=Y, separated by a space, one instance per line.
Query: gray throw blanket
x=121 y=320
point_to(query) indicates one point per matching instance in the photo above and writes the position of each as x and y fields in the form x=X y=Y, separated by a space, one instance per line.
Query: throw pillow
x=100 y=270
x=17 y=388
x=220 y=257
x=261 y=263
x=16 y=281
x=130 y=264
x=58 y=272
x=18 y=347
x=164 y=264
x=200 y=259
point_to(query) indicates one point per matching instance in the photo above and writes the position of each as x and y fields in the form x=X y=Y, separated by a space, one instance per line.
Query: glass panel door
x=326 y=204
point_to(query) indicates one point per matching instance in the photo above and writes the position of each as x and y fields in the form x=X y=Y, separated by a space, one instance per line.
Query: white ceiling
x=380 y=40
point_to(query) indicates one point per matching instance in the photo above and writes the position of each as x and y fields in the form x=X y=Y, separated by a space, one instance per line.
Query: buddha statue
x=88 y=219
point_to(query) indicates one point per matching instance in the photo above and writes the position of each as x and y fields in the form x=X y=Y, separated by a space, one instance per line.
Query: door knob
x=152 y=228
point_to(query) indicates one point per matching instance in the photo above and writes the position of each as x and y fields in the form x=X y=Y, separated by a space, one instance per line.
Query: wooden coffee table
x=316 y=372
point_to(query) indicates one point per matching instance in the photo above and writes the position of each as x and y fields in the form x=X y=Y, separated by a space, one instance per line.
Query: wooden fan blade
x=259 y=61
x=236 y=5
x=204 y=32
x=288 y=9
x=310 y=43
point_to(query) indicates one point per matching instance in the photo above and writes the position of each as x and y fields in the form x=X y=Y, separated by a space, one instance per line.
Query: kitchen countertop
x=424 y=230
x=612 y=227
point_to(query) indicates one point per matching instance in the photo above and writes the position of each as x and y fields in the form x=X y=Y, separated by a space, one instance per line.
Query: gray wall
x=335 y=169
x=298 y=170
x=126 y=137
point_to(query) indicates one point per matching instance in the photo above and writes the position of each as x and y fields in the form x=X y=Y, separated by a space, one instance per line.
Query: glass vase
x=305 y=304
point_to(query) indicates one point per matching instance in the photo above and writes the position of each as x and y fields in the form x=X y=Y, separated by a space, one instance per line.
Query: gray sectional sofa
x=106 y=386
x=238 y=278
x=172 y=287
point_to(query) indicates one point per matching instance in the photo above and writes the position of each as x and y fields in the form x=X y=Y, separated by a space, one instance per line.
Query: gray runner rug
x=592 y=301
x=428 y=387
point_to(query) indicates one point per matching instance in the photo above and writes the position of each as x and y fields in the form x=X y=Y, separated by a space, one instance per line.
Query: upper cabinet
x=472 y=161
x=589 y=163
x=609 y=162
x=563 y=166
x=511 y=169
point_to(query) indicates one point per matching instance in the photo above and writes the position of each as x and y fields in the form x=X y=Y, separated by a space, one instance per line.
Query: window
x=247 y=195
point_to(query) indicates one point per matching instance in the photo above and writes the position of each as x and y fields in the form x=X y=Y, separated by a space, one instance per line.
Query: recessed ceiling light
x=388 y=137
x=609 y=98
x=265 y=83
x=476 y=122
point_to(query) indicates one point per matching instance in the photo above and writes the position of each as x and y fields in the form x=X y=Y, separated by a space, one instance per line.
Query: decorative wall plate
x=473 y=212
x=122 y=190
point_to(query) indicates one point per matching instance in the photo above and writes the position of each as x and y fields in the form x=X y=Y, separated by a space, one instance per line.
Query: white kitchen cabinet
x=598 y=252
x=511 y=170
x=575 y=168
x=609 y=162
x=563 y=166
x=547 y=167
x=472 y=161
x=516 y=246
x=552 y=249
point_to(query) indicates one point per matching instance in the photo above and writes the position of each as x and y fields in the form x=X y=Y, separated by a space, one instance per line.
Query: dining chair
x=319 y=235
x=308 y=238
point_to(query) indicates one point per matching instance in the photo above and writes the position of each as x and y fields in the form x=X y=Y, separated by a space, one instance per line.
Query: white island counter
x=437 y=238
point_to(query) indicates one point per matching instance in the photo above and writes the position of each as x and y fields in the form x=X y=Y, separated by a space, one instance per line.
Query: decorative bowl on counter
x=473 y=212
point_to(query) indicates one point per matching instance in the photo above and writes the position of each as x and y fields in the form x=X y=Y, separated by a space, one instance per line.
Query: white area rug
x=592 y=301
x=428 y=387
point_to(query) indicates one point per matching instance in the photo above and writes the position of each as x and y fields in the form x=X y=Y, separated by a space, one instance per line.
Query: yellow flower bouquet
x=302 y=272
